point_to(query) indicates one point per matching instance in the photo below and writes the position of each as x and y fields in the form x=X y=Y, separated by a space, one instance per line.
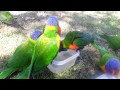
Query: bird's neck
x=31 y=41
x=51 y=30
x=51 y=27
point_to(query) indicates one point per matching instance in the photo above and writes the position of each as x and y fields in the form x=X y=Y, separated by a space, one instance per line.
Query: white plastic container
x=63 y=61
x=106 y=76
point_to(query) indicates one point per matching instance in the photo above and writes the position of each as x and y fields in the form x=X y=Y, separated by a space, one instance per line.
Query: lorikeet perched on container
x=108 y=62
x=113 y=40
x=22 y=56
x=76 y=40
x=5 y=16
x=45 y=50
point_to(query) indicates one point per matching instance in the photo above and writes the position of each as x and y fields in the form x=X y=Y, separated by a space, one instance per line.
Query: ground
x=17 y=31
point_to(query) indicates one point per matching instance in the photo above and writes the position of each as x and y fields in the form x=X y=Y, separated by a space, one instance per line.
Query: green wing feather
x=101 y=49
x=21 y=57
x=24 y=74
x=7 y=72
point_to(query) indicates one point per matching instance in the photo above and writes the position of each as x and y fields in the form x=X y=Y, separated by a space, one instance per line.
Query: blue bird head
x=52 y=21
x=113 y=64
x=35 y=34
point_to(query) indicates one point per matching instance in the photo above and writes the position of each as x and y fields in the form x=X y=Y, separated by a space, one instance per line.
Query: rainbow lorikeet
x=76 y=40
x=108 y=62
x=45 y=50
x=22 y=56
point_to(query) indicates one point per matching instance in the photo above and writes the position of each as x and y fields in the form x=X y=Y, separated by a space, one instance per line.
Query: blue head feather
x=35 y=34
x=52 y=21
x=112 y=64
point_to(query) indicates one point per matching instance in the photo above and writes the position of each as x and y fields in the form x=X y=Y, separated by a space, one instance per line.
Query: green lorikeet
x=22 y=56
x=113 y=41
x=45 y=50
x=76 y=40
x=108 y=62
x=5 y=16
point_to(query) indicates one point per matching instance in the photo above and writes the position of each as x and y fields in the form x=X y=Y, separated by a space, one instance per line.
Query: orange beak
x=73 y=47
x=59 y=30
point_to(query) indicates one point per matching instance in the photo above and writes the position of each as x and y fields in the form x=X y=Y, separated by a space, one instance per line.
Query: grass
x=107 y=22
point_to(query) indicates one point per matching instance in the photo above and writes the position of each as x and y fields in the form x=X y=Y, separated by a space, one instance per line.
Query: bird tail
x=7 y=72
x=24 y=74
x=101 y=49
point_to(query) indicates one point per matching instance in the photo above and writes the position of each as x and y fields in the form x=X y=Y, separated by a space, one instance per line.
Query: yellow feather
x=51 y=27
x=58 y=40
x=31 y=40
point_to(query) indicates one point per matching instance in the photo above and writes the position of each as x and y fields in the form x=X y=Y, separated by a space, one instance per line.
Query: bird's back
x=45 y=51
x=82 y=39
